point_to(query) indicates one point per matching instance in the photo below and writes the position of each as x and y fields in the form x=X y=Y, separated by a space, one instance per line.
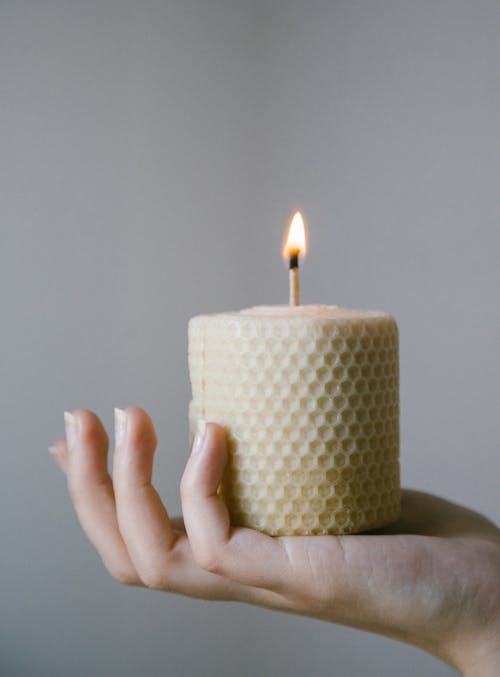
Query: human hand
x=432 y=579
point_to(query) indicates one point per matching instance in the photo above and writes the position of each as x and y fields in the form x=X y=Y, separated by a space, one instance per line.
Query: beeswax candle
x=309 y=396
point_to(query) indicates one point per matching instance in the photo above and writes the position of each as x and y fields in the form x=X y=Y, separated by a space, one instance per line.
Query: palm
x=417 y=563
x=407 y=577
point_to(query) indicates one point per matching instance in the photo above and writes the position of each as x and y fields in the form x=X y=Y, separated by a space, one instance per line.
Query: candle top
x=304 y=311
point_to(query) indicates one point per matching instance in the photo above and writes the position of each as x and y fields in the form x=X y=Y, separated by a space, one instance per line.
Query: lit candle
x=294 y=247
x=309 y=397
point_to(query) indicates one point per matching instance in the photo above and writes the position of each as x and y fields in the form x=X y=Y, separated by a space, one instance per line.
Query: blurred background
x=151 y=155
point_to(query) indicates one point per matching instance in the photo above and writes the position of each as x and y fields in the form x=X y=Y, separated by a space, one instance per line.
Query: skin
x=431 y=580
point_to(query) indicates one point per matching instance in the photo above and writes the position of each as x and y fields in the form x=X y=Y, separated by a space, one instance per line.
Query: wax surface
x=309 y=396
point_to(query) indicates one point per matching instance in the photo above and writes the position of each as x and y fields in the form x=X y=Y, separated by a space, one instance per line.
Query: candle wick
x=294 y=279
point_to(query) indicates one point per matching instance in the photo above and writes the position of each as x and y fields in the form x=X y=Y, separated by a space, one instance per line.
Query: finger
x=142 y=517
x=59 y=452
x=84 y=453
x=161 y=554
x=242 y=555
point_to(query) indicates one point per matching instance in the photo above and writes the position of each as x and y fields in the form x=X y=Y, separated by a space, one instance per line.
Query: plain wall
x=150 y=156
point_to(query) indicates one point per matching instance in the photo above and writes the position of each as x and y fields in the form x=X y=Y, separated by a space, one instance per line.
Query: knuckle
x=161 y=574
x=186 y=486
x=211 y=561
x=124 y=576
x=74 y=491
x=154 y=579
x=82 y=492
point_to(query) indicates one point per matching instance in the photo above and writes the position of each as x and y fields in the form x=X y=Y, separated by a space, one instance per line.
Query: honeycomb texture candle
x=309 y=396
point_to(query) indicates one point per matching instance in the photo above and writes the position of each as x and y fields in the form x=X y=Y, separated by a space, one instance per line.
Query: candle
x=309 y=397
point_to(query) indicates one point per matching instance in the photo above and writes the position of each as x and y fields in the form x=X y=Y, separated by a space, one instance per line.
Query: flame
x=295 y=242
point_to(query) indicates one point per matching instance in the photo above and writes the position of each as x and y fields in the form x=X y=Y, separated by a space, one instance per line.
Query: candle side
x=309 y=396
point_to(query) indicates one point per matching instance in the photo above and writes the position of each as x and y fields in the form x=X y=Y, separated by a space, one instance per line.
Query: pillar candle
x=309 y=398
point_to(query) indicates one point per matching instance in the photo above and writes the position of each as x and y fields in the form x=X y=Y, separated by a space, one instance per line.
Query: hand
x=432 y=579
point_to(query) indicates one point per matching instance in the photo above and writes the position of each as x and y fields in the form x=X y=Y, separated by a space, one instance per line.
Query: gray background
x=150 y=156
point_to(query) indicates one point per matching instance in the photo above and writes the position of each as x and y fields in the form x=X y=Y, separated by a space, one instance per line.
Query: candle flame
x=295 y=243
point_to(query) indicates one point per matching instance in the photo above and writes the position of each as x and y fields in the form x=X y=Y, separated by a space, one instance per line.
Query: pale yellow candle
x=309 y=396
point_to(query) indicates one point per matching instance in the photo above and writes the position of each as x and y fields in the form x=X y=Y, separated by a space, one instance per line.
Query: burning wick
x=295 y=246
x=294 y=281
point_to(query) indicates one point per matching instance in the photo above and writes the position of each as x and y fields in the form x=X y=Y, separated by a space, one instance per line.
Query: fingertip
x=215 y=446
x=89 y=427
x=217 y=437
x=59 y=453
x=135 y=448
x=141 y=432
x=211 y=439
x=207 y=462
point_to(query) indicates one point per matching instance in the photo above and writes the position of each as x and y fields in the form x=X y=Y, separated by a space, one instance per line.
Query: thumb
x=240 y=554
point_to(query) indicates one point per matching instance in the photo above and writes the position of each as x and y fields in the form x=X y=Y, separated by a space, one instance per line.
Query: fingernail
x=120 y=425
x=70 y=424
x=199 y=438
x=54 y=451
